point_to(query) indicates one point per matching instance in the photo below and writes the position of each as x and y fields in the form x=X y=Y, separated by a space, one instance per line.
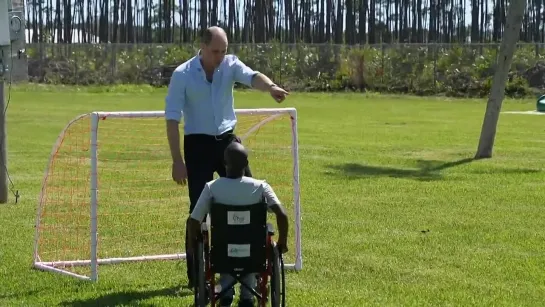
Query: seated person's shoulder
x=251 y=181
x=244 y=181
x=266 y=191
x=261 y=184
x=242 y=191
x=212 y=182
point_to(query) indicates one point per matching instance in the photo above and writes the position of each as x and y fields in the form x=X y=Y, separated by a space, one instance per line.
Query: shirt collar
x=197 y=61
x=198 y=65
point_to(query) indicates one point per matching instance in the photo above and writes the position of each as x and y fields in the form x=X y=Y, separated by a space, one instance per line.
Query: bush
x=455 y=70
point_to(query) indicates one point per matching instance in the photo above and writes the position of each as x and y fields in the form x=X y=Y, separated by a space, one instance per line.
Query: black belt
x=219 y=137
x=224 y=135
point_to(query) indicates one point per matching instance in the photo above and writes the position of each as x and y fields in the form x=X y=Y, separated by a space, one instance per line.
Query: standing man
x=201 y=90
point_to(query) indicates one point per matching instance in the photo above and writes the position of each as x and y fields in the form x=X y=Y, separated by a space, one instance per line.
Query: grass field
x=394 y=210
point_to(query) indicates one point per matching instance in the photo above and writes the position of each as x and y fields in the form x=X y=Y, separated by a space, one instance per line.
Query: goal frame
x=94 y=261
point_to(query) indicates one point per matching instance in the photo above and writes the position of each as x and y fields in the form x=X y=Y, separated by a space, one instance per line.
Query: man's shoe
x=246 y=303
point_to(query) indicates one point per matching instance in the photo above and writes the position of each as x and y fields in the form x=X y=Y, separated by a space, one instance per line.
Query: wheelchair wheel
x=277 y=279
x=199 y=276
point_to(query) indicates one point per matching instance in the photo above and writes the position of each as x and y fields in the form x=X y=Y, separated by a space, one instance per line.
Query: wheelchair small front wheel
x=277 y=280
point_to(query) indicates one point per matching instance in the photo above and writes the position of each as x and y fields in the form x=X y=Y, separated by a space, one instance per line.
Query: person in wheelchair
x=236 y=189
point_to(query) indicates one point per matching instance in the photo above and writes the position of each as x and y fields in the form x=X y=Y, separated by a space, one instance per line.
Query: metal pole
x=3 y=146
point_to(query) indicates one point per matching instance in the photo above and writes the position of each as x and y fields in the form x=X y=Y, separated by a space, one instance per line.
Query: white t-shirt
x=241 y=191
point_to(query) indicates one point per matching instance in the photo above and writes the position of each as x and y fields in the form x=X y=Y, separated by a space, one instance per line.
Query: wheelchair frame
x=205 y=277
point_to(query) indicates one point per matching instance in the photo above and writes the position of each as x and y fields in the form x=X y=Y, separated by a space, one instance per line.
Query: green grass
x=394 y=210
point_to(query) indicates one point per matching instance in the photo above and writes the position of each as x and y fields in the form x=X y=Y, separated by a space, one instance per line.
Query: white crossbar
x=144 y=114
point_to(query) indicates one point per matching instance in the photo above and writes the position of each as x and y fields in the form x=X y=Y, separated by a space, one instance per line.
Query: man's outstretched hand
x=278 y=93
x=179 y=172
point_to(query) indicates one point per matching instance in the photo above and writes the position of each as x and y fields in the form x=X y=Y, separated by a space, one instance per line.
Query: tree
x=493 y=107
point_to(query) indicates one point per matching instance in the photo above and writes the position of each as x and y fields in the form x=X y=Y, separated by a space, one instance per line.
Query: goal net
x=108 y=197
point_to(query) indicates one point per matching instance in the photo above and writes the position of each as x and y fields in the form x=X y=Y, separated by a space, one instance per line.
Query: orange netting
x=141 y=211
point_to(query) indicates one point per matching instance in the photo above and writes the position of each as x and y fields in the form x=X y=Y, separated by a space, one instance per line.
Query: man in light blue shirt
x=201 y=91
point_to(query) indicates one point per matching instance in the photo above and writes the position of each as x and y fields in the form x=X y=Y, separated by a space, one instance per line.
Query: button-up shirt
x=207 y=107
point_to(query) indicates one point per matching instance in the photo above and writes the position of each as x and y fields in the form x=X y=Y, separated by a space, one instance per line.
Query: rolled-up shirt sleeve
x=175 y=99
x=243 y=74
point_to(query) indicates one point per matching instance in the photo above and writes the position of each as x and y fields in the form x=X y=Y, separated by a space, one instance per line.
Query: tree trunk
x=493 y=107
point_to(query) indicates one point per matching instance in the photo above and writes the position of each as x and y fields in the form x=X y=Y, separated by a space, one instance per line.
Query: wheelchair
x=239 y=242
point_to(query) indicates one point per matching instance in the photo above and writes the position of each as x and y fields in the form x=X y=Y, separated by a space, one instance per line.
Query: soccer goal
x=108 y=197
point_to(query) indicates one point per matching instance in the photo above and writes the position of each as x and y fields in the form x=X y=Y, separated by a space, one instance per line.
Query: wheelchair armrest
x=270 y=229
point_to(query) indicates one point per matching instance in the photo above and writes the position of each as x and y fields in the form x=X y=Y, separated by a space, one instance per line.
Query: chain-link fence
x=418 y=68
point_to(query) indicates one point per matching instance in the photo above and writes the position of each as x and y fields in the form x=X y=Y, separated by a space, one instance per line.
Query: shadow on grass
x=426 y=170
x=129 y=297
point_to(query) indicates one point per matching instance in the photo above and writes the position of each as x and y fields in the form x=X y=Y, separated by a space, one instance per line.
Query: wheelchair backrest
x=238 y=237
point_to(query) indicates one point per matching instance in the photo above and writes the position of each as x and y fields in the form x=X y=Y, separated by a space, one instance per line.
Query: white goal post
x=107 y=195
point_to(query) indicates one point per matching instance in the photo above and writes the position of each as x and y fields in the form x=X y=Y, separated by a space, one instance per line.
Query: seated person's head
x=236 y=159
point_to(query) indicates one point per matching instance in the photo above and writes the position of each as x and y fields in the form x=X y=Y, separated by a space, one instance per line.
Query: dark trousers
x=203 y=155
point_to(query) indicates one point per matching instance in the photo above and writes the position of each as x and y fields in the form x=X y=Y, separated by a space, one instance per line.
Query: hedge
x=452 y=70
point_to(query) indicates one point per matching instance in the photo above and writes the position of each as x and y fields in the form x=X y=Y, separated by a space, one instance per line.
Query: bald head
x=236 y=158
x=213 y=47
x=213 y=33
